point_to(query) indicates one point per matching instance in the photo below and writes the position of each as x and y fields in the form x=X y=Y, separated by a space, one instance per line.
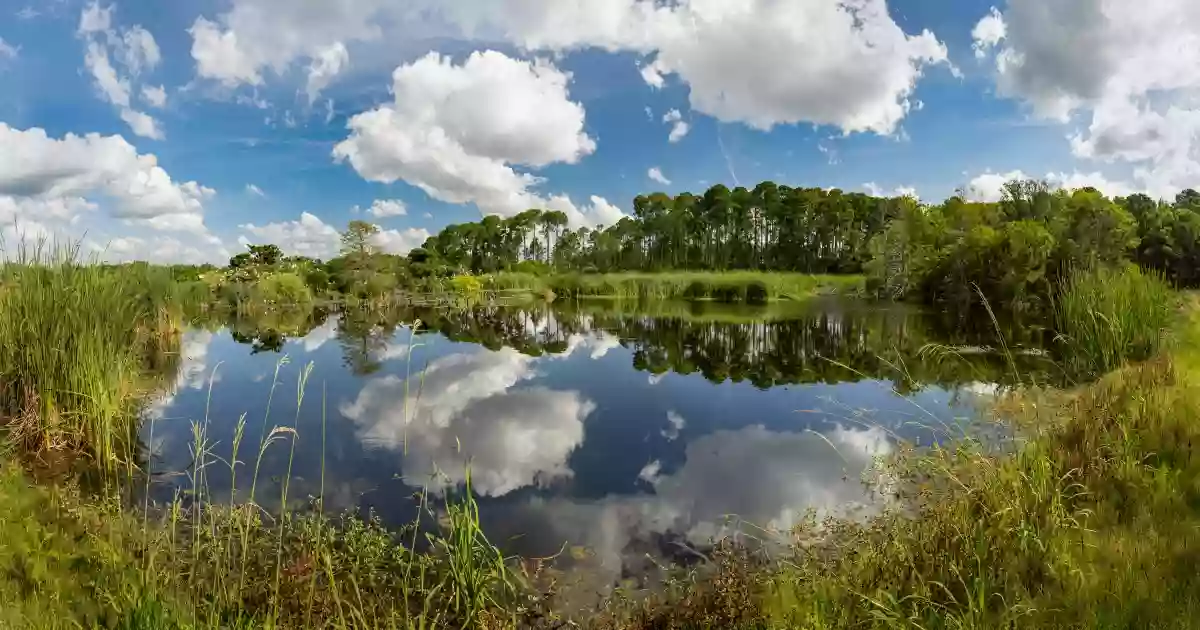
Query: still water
x=623 y=433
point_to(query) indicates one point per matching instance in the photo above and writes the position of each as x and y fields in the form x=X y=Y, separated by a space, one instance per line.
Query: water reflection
x=626 y=433
x=466 y=407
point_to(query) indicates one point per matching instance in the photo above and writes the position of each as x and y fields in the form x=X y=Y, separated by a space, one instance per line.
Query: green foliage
x=282 y=289
x=1105 y=317
x=466 y=285
x=1012 y=253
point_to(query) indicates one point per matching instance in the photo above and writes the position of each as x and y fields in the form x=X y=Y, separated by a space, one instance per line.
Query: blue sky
x=565 y=111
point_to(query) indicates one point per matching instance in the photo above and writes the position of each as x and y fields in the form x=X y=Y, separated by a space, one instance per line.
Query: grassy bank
x=734 y=286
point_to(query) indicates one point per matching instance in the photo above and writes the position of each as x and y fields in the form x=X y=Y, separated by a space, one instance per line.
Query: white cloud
x=652 y=76
x=45 y=177
x=255 y=35
x=471 y=410
x=135 y=49
x=400 y=241
x=255 y=190
x=383 y=208
x=158 y=249
x=95 y=19
x=138 y=50
x=988 y=32
x=7 y=51
x=1130 y=70
x=307 y=236
x=456 y=132
x=989 y=186
x=656 y=174
x=326 y=64
x=871 y=188
x=142 y=124
x=850 y=64
x=155 y=96
x=679 y=127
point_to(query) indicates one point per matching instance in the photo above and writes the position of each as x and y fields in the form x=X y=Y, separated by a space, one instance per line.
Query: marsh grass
x=1105 y=317
x=77 y=345
x=734 y=286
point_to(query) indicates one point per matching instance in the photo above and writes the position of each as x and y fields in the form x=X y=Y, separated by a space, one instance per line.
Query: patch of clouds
x=853 y=67
x=989 y=186
x=385 y=208
x=679 y=126
x=255 y=190
x=154 y=95
x=656 y=174
x=60 y=181
x=135 y=51
x=311 y=236
x=1129 y=72
x=306 y=236
x=873 y=189
x=445 y=134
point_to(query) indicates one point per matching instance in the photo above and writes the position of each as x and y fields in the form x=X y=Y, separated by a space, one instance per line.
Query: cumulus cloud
x=255 y=190
x=135 y=50
x=160 y=249
x=679 y=127
x=656 y=174
x=400 y=241
x=59 y=179
x=873 y=189
x=384 y=208
x=989 y=186
x=1130 y=70
x=306 y=236
x=472 y=411
x=311 y=236
x=155 y=96
x=326 y=64
x=851 y=66
x=457 y=131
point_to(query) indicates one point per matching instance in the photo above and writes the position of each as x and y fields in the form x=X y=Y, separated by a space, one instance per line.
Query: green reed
x=1106 y=317
x=77 y=345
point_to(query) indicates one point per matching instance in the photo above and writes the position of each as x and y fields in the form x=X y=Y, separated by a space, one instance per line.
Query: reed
x=77 y=343
x=1105 y=317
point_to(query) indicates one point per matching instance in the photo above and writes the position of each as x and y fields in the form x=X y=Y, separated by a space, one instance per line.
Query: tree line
x=771 y=227
x=1012 y=251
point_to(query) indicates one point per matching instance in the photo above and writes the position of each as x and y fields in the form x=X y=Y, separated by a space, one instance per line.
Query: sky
x=183 y=131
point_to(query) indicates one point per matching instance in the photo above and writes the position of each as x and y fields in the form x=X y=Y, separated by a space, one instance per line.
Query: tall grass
x=1105 y=317
x=76 y=342
x=733 y=286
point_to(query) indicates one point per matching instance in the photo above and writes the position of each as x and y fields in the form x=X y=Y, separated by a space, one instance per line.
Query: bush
x=283 y=289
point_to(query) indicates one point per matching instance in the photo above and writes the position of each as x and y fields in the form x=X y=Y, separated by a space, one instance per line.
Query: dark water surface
x=622 y=433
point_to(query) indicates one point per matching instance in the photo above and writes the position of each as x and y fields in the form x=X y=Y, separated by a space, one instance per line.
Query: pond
x=624 y=434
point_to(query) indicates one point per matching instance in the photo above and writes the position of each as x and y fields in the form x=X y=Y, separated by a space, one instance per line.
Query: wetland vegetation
x=1067 y=311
